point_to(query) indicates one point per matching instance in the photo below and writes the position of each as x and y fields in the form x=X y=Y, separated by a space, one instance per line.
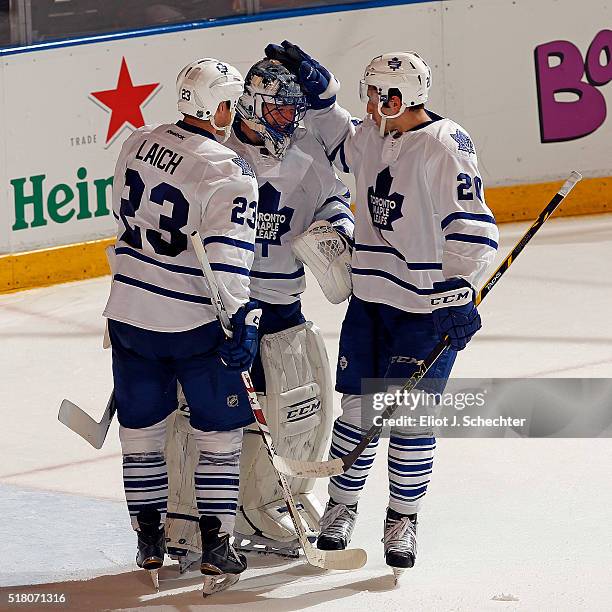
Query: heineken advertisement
x=530 y=82
x=37 y=203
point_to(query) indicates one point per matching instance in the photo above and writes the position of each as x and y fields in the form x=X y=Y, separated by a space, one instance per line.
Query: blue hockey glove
x=239 y=352
x=319 y=85
x=454 y=312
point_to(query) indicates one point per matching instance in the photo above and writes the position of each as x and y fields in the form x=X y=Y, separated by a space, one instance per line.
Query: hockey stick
x=333 y=467
x=81 y=423
x=352 y=558
x=76 y=418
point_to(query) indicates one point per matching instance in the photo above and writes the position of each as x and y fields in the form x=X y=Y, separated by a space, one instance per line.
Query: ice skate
x=400 y=542
x=337 y=524
x=151 y=544
x=220 y=563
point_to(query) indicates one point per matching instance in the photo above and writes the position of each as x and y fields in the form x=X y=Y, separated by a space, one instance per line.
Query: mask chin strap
x=383 y=117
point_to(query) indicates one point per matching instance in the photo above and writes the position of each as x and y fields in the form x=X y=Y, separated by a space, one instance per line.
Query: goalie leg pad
x=298 y=406
x=182 y=531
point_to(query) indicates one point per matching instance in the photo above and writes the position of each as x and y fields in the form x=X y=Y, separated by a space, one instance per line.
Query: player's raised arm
x=331 y=124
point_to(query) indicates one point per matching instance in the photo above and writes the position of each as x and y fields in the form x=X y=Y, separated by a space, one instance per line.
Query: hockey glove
x=454 y=312
x=319 y=85
x=238 y=352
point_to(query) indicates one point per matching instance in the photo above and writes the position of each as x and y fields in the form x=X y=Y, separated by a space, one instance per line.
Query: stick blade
x=308 y=469
x=81 y=423
x=348 y=559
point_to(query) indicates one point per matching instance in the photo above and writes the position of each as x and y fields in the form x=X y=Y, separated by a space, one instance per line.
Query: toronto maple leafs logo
x=222 y=68
x=463 y=141
x=385 y=207
x=244 y=165
x=394 y=63
x=272 y=222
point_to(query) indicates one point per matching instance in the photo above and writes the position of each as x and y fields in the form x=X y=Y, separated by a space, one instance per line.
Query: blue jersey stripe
x=332 y=156
x=154 y=262
x=412 y=265
x=176 y=295
x=394 y=279
x=241 y=244
x=343 y=200
x=341 y=216
x=467 y=216
x=343 y=158
x=228 y=268
x=277 y=275
x=473 y=239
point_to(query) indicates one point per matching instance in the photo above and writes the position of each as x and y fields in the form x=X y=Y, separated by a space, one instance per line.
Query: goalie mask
x=272 y=104
x=404 y=71
x=202 y=85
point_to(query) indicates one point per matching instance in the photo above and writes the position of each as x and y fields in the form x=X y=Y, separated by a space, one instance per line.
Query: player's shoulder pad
x=454 y=138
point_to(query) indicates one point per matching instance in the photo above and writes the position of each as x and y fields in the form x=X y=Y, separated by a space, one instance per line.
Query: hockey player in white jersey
x=173 y=180
x=424 y=239
x=303 y=216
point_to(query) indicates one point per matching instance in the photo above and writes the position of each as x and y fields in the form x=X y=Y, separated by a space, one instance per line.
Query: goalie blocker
x=298 y=407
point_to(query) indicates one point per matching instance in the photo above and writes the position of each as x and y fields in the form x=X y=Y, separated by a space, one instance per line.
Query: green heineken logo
x=36 y=202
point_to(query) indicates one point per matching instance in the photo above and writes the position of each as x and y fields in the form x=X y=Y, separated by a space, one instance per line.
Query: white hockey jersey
x=171 y=180
x=293 y=193
x=420 y=215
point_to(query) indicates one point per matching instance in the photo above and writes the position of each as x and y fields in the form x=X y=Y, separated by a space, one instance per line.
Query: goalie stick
x=81 y=423
x=333 y=467
x=351 y=558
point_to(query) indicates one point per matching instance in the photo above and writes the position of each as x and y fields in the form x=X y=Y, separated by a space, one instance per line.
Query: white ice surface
x=524 y=520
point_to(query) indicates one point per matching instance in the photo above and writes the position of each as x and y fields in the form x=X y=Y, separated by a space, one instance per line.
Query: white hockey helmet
x=405 y=71
x=272 y=105
x=203 y=84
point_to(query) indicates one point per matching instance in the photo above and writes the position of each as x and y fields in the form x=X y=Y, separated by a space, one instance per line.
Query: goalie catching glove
x=326 y=252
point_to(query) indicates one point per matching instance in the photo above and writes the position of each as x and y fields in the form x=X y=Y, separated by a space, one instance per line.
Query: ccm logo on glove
x=456 y=298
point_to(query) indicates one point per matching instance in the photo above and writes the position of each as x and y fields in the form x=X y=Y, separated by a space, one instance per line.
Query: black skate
x=337 y=524
x=400 y=541
x=151 y=543
x=220 y=564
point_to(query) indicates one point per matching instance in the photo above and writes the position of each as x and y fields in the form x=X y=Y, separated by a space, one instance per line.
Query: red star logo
x=124 y=102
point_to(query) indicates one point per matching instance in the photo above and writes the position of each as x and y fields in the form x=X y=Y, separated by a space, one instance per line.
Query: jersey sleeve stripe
x=473 y=239
x=341 y=216
x=154 y=262
x=177 y=295
x=228 y=268
x=332 y=156
x=468 y=216
x=273 y=275
x=394 y=279
x=241 y=244
x=344 y=200
x=420 y=265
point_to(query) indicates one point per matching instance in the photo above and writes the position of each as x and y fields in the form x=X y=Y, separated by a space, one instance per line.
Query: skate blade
x=154 y=576
x=219 y=582
x=397 y=572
